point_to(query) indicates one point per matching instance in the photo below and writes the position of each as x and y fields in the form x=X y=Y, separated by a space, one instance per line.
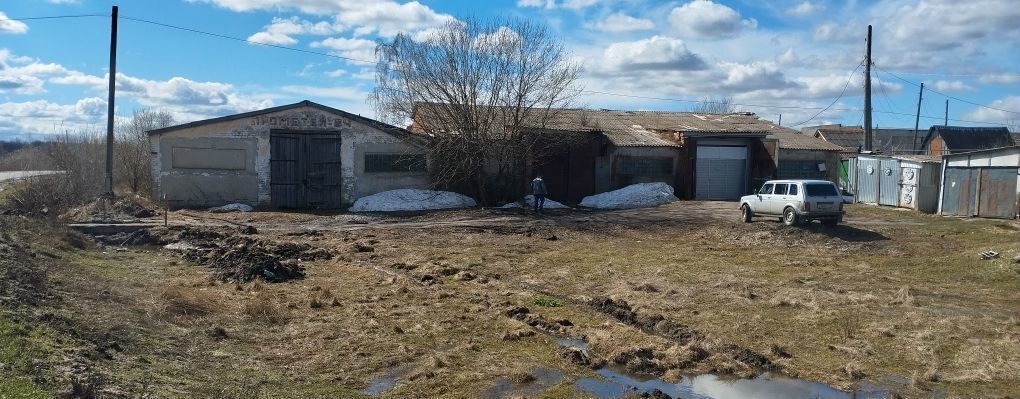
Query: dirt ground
x=460 y=303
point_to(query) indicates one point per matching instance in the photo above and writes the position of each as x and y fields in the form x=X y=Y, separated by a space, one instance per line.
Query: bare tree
x=714 y=105
x=132 y=149
x=475 y=88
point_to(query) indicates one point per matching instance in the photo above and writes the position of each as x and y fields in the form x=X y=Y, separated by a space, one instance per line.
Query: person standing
x=538 y=190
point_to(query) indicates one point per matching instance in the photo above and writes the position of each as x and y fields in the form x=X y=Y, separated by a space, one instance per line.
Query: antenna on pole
x=109 y=104
x=867 y=94
x=917 y=118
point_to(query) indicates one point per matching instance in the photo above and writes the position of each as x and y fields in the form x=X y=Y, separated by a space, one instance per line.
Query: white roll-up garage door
x=720 y=172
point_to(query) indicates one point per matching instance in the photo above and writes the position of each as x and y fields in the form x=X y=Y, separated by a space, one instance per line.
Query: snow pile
x=641 y=195
x=529 y=201
x=409 y=199
x=232 y=208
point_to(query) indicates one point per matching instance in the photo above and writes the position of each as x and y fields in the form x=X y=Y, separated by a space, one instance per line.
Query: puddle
x=574 y=343
x=615 y=384
x=544 y=378
x=385 y=381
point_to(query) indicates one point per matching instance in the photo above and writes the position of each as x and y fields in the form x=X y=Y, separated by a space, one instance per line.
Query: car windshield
x=820 y=190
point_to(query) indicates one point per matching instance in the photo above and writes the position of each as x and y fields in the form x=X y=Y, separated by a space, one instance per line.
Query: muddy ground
x=461 y=303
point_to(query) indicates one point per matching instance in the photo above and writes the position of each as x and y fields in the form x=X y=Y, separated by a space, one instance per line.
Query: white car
x=795 y=201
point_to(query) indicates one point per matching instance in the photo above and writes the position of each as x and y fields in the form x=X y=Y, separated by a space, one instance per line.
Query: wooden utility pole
x=917 y=119
x=946 y=122
x=867 y=94
x=780 y=119
x=109 y=104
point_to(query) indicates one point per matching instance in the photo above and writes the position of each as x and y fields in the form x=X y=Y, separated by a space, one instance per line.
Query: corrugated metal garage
x=302 y=155
x=982 y=183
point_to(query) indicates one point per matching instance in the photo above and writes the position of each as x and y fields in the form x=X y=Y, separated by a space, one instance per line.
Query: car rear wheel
x=746 y=214
x=790 y=217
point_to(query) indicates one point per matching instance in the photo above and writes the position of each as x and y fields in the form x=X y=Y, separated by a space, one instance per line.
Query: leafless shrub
x=853 y=370
x=474 y=88
x=848 y=325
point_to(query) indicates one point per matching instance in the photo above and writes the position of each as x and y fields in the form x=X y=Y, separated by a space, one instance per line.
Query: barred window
x=646 y=166
x=375 y=163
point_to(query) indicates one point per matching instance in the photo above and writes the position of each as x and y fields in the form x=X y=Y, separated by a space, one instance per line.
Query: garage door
x=721 y=172
x=304 y=170
x=998 y=193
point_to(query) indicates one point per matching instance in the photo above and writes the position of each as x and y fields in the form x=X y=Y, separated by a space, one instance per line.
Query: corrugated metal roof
x=794 y=140
x=960 y=138
x=883 y=140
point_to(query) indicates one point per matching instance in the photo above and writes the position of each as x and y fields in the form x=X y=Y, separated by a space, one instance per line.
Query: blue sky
x=772 y=57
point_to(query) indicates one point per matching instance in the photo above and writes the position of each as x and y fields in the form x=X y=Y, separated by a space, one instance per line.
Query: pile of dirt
x=105 y=210
x=21 y=279
x=242 y=258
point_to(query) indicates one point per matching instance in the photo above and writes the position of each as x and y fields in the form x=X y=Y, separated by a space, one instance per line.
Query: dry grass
x=902 y=297
x=185 y=302
x=264 y=309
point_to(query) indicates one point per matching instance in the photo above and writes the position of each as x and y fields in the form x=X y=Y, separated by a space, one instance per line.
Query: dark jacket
x=538 y=186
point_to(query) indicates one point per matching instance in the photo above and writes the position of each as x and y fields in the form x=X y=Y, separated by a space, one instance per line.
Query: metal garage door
x=867 y=180
x=997 y=196
x=889 y=182
x=720 y=172
x=960 y=192
x=304 y=170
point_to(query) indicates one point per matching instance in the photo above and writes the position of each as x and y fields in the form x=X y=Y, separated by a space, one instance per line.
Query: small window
x=780 y=189
x=766 y=189
x=793 y=189
x=377 y=163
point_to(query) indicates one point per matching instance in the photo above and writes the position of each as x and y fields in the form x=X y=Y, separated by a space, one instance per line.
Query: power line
x=947 y=95
x=55 y=17
x=848 y=79
x=822 y=109
x=221 y=36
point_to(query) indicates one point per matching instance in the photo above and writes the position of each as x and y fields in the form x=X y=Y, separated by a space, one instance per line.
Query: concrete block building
x=301 y=156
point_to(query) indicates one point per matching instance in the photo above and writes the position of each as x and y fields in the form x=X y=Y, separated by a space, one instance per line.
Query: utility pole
x=946 y=122
x=780 y=119
x=867 y=94
x=109 y=104
x=917 y=119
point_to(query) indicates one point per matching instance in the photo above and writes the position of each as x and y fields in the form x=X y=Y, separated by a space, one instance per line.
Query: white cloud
x=1011 y=103
x=336 y=73
x=620 y=22
x=951 y=24
x=950 y=85
x=551 y=4
x=547 y=4
x=281 y=31
x=844 y=32
x=804 y=9
x=20 y=84
x=999 y=78
x=383 y=17
x=360 y=51
x=656 y=53
x=11 y=27
x=708 y=20
x=788 y=58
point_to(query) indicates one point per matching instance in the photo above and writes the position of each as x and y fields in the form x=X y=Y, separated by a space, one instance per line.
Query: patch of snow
x=529 y=202
x=641 y=195
x=179 y=246
x=410 y=199
x=232 y=208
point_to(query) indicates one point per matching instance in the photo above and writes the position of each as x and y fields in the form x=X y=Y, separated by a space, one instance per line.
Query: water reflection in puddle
x=385 y=382
x=615 y=384
x=544 y=378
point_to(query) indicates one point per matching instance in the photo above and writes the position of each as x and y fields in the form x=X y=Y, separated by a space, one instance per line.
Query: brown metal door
x=998 y=193
x=304 y=170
